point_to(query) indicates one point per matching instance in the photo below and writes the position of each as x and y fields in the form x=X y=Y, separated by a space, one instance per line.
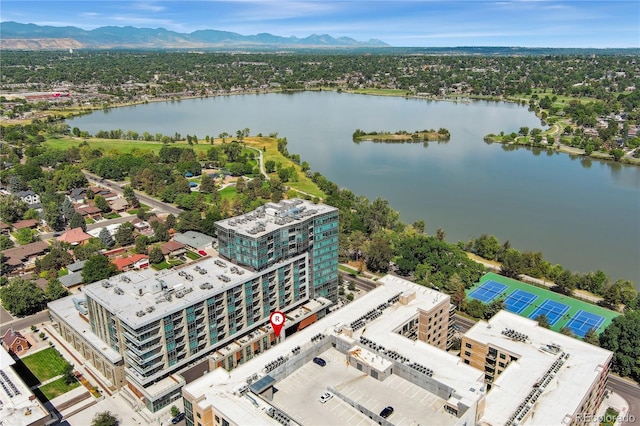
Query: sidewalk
x=613 y=400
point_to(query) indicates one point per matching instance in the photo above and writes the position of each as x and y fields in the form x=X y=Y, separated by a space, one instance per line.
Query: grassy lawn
x=57 y=388
x=62 y=272
x=191 y=255
x=45 y=364
x=160 y=266
x=610 y=417
x=111 y=215
x=228 y=193
x=89 y=221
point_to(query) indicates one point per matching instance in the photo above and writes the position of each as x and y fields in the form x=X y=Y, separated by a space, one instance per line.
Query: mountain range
x=14 y=35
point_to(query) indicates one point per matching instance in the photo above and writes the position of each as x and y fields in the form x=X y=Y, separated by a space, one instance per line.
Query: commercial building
x=140 y=328
x=18 y=405
x=378 y=351
x=536 y=376
x=279 y=231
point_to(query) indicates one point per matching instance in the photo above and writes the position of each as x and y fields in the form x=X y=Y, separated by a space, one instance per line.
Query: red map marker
x=277 y=321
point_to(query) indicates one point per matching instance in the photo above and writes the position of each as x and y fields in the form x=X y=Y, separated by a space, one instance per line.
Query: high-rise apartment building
x=297 y=227
x=140 y=327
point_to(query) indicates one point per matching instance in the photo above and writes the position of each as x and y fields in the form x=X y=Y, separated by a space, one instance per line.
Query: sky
x=422 y=23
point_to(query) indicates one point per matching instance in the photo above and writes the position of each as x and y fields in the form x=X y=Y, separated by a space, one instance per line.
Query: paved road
x=630 y=391
x=145 y=199
x=26 y=322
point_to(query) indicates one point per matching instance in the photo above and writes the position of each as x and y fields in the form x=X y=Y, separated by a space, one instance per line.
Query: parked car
x=325 y=397
x=321 y=362
x=177 y=418
x=386 y=412
x=202 y=252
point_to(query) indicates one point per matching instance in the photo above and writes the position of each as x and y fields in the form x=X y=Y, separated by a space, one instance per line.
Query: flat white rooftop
x=273 y=216
x=139 y=297
x=66 y=309
x=16 y=406
x=563 y=395
x=218 y=387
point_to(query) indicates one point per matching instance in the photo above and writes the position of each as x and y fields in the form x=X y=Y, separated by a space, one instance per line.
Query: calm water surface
x=582 y=214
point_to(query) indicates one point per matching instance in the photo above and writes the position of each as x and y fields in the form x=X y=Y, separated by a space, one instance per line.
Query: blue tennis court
x=488 y=291
x=582 y=321
x=517 y=301
x=551 y=309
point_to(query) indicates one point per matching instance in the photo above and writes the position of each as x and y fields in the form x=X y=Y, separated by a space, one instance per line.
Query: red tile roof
x=124 y=262
x=28 y=223
x=75 y=235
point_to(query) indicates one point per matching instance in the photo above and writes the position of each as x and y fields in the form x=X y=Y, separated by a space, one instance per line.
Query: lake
x=583 y=214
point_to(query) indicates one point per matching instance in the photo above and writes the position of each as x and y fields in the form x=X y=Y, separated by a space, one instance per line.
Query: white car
x=325 y=397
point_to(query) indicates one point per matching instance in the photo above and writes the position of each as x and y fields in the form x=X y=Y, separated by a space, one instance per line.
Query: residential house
x=90 y=211
x=74 y=236
x=137 y=261
x=71 y=280
x=119 y=205
x=22 y=257
x=26 y=223
x=172 y=248
x=195 y=240
x=77 y=195
x=14 y=341
x=29 y=197
x=4 y=228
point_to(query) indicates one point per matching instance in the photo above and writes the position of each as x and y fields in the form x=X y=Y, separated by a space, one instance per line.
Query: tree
x=105 y=418
x=141 y=244
x=124 y=235
x=493 y=308
x=566 y=282
x=98 y=268
x=171 y=221
x=67 y=209
x=5 y=242
x=67 y=374
x=26 y=236
x=440 y=234
x=512 y=263
x=55 y=290
x=156 y=255
x=12 y=208
x=88 y=249
x=543 y=321
x=207 y=185
x=101 y=203
x=379 y=253
x=620 y=292
x=130 y=196
x=622 y=337
x=567 y=332
x=174 y=411
x=105 y=238
x=592 y=337
x=487 y=246
x=475 y=308
x=22 y=297
x=77 y=221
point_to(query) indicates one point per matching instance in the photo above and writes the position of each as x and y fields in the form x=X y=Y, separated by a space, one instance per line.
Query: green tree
x=487 y=246
x=67 y=209
x=493 y=308
x=67 y=374
x=88 y=249
x=98 y=268
x=102 y=203
x=124 y=235
x=207 y=185
x=141 y=244
x=156 y=256
x=475 y=308
x=567 y=332
x=12 y=208
x=174 y=411
x=543 y=321
x=5 y=242
x=55 y=290
x=77 y=221
x=512 y=263
x=566 y=282
x=171 y=221
x=379 y=253
x=105 y=418
x=22 y=297
x=270 y=166
x=592 y=337
x=26 y=236
x=622 y=337
x=105 y=238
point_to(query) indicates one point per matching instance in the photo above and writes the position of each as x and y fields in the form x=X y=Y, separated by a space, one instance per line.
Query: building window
x=225 y=422
x=199 y=416
x=467 y=353
x=468 y=345
x=503 y=356
x=466 y=361
x=502 y=364
x=217 y=419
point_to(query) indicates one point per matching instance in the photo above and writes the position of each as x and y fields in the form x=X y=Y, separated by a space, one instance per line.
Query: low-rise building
x=535 y=375
x=367 y=355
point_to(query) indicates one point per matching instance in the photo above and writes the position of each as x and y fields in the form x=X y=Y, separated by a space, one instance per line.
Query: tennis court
x=551 y=309
x=488 y=291
x=584 y=321
x=526 y=300
x=519 y=300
